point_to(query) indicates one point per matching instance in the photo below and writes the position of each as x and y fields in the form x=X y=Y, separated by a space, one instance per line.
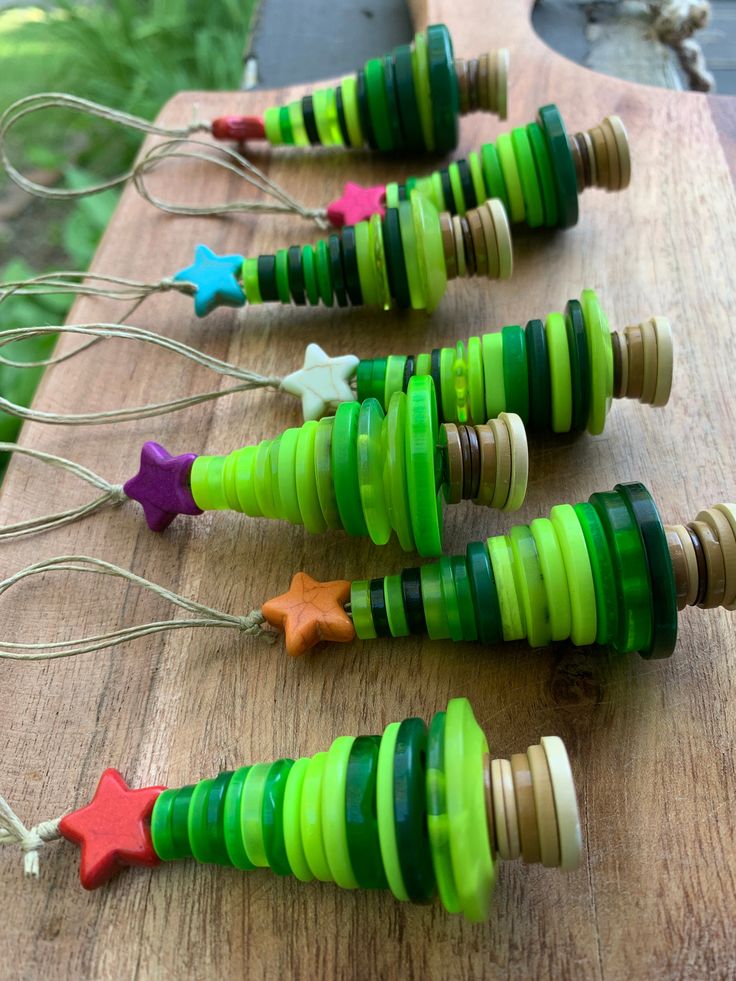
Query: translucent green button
x=370 y=471
x=470 y=850
x=421 y=442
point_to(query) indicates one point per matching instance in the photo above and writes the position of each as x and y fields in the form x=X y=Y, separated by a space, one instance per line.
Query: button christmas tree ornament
x=363 y=470
x=559 y=374
x=409 y=100
x=538 y=171
x=424 y=811
x=606 y=571
x=402 y=258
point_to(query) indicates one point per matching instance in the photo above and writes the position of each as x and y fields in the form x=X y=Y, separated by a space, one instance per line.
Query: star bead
x=161 y=486
x=113 y=830
x=310 y=612
x=322 y=381
x=215 y=277
x=356 y=204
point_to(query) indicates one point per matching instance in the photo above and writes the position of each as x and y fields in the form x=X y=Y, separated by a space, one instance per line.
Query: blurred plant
x=130 y=54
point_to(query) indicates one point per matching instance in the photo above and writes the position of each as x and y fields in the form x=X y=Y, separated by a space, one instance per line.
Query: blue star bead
x=215 y=277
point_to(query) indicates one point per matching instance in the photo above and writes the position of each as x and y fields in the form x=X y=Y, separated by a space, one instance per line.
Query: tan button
x=665 y=361
x=489 y=236
x=544 y=803
x=503 y=463
x=623 y=151
x=722 y=528
x=714 y=564
x=525 y=808
x=649 y=344
x=487 y=442
x=450 y=438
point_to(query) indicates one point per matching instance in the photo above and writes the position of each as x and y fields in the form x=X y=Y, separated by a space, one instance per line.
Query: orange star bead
x=311 y=611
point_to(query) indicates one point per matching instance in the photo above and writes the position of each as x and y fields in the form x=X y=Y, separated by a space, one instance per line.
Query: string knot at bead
x=252 y=624
x=29 y=840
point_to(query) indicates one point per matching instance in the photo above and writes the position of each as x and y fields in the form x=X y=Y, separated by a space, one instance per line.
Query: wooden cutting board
x=651 y=743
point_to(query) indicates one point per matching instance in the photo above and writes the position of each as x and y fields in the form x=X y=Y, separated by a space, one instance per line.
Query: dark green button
x=350 y=265
x=466 y=180
x=484 y=593
x=337 y=271
x=540 y=395
x=364 y=847
x=378 y=608
x=580 y=374
x=631 y=571
x=324 y=275
x=411 y=592
x=447 y=192
x=410 y=811
x=341 y=120
x=272 y=816
x=364 y=111
x=363 y=379
x=443 y=88
x=407 y=97
x=392 y=100
x=310 y=123
x=395 y=264
x=345 y=468
x=515 y=371
x=664 y=598
x=296 y=276
x=563 y=166
x=267 y=278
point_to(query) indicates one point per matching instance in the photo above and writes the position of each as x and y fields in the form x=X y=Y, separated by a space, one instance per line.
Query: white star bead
x=323 y=382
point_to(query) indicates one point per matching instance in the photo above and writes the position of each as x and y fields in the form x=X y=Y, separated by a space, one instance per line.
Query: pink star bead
x=356 y=204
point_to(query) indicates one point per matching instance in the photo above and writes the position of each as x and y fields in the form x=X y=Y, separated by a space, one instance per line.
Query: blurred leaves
x=130 y=54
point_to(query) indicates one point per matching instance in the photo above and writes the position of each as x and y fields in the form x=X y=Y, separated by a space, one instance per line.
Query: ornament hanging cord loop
x=204 y=616
x=29 y=840
x=170 y=148
x=78 y=283
x=229 y=159
x=42 y=101
x=247 y=380
x=112 y=494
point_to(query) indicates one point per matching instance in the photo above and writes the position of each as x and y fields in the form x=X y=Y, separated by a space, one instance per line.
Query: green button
x=410 y=810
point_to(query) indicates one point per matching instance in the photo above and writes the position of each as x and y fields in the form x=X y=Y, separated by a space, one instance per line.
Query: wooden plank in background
x=651 y=743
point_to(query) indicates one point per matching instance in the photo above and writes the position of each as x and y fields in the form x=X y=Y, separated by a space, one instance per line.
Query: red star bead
x=113 y=830
x=357 y=204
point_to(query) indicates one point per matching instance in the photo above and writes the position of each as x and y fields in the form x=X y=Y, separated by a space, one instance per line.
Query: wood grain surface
x=652 y=744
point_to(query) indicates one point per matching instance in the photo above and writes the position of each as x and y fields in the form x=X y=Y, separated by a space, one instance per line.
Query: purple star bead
x=161 y=486
x=357 y=204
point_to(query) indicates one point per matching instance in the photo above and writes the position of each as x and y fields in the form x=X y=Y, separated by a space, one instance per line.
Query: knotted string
x=14 y=832
x=62 y=100
x=251 y=624
x=112 y=494
x=247 y=380
x=226 y=157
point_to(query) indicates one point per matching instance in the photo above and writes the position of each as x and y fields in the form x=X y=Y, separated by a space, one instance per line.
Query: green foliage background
x=130 y=54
